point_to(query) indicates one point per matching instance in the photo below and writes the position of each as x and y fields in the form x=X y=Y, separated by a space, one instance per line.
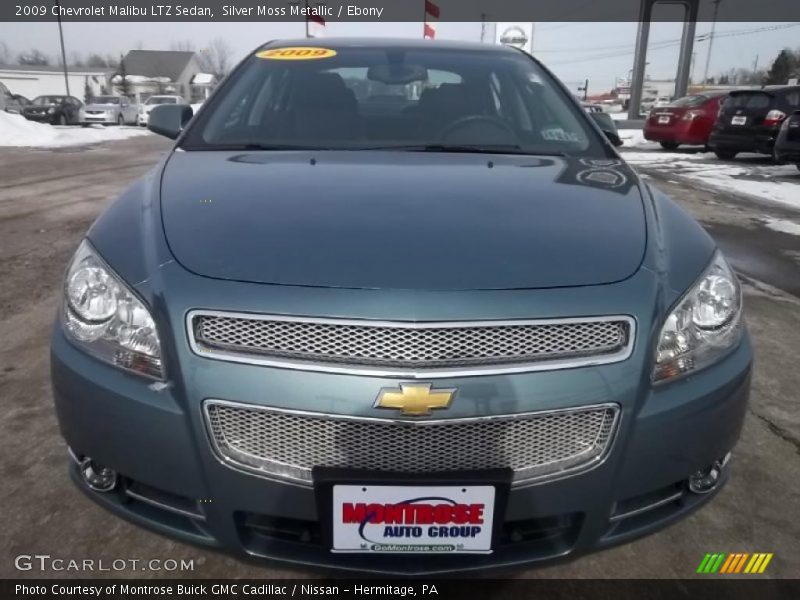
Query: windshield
x=690 y=101
x=382 y=98
x=45 y=100
x=161 y=100
x=748 y=100
x=106 y=100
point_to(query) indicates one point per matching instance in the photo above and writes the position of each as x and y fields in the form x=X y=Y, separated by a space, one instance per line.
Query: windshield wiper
x=467 y=149
x=253 y=146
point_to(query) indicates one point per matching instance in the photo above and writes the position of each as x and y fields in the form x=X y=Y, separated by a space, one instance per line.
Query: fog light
x=97 y=477
x=705 y=480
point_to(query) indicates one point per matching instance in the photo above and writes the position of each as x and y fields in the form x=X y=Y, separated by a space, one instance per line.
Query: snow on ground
x=634 y=138
x=16 y=130
x=619 y=116
x=763 y=180
x=783 y=226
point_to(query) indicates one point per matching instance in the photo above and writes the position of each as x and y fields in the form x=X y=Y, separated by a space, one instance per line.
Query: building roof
x=157 y=63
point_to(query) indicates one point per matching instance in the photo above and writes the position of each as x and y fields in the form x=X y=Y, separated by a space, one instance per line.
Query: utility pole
x=585 y=90
x=63 y=53
x=711 y=39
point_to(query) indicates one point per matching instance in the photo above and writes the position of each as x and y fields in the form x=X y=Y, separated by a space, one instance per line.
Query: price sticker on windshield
x=296 y=53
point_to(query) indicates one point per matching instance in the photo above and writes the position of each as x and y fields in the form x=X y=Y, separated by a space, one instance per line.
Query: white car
x=152 y=101
x=108 y=110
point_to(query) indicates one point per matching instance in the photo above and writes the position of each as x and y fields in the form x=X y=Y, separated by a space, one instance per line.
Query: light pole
x=63 y=52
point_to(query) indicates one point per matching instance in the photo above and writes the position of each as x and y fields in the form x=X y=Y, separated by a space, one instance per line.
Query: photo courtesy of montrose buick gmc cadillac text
x=398 y=298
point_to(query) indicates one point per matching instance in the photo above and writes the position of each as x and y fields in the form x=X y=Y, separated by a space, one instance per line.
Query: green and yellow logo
x=738 y=562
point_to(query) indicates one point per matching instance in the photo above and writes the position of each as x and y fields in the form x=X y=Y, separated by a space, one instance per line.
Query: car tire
x=84 y=124
x=670 y=145
x=726 y=154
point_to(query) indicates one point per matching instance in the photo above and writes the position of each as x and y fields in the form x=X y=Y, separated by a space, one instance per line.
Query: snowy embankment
x=17 y=131
x=751 y=175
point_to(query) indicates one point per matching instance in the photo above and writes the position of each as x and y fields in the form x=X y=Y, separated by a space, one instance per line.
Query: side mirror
x=607 y=126
x=169 y=119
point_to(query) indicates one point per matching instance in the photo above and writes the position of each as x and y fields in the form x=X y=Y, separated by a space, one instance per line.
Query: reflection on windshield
x=413 y=99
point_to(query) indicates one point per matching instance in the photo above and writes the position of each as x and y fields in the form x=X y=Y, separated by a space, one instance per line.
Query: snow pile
x=776 y=183
x=634 y=138
x=196 y=107
x=16 y=130
x=140 y=79
x=783 y=226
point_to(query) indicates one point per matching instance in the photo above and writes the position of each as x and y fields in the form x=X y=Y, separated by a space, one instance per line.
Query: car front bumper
x=102 y=119
x=172 y=482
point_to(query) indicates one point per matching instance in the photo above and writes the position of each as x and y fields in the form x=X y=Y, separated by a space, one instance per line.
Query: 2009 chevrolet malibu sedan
x=392 y=298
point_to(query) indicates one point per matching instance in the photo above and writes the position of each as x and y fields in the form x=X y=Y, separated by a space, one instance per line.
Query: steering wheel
x=508 y=135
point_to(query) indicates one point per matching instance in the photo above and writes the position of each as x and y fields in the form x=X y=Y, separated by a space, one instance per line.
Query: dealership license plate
x=663 y=119
x=413 y=519
x=738 y=120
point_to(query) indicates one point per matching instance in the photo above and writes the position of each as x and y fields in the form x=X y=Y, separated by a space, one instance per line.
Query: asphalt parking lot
x=48 y=198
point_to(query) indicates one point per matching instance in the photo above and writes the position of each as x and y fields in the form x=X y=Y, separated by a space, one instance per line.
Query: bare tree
x=216 y=58
x=96 y=61
x=182 y=46
x=5 y=54
x=33 y=58
x=123 y=85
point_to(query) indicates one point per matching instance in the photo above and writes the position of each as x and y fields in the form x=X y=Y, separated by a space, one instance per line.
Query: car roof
x=382 y=43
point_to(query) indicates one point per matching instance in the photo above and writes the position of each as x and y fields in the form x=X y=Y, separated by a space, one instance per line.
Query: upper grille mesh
x=409 y=347
x=287 y=444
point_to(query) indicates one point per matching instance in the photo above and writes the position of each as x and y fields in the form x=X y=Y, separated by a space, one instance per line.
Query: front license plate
x=400 y=519
x=738 y=120
x=663 y=119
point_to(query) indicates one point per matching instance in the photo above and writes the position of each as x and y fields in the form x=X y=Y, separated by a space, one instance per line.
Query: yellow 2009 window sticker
x=296 y=53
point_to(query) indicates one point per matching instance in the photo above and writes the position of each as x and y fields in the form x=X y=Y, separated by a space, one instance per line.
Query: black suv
x=749 y=120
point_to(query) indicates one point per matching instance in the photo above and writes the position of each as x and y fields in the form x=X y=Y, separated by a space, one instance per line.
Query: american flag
x=431 y=17
x=315 y=24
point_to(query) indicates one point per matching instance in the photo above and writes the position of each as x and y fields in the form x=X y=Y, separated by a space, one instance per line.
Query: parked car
x=56 y=110
x=662 y=101
x=787 y=145
x=350 y=336
x=23 y=101
x=749 y=120
x=109 y=110
x=152 y=101
x=687 y=120
x=8 y=101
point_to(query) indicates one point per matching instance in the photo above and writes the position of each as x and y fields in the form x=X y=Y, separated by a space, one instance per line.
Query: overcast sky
x=600 y=52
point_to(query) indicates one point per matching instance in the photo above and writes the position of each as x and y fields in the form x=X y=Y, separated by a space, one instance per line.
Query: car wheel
x=120 y=120
x=726 y=154
x=62 y=120
x=669 y=145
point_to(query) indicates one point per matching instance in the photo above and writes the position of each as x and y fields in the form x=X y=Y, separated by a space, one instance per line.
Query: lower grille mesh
x=289 y=444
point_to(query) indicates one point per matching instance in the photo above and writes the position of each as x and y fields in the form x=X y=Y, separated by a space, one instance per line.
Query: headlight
x=704 y=326
x=106 y=319
x=51 y=110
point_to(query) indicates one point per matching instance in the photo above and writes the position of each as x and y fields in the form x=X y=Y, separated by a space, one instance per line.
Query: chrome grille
x=288 y=444
x=409 y=346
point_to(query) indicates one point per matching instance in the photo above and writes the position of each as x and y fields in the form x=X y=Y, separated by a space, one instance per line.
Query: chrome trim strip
x=642 y=509
x=237 y=466
x=433 y=373
x=161 y=505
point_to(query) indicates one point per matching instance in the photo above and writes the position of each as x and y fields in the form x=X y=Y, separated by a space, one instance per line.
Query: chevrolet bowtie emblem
x=414 y=399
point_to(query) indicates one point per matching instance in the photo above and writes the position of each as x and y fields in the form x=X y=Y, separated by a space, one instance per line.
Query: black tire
x=670 y=145
x=726 y=154
x=84 y=124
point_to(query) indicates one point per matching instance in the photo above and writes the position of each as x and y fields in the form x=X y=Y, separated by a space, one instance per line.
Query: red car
x=687 y=120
